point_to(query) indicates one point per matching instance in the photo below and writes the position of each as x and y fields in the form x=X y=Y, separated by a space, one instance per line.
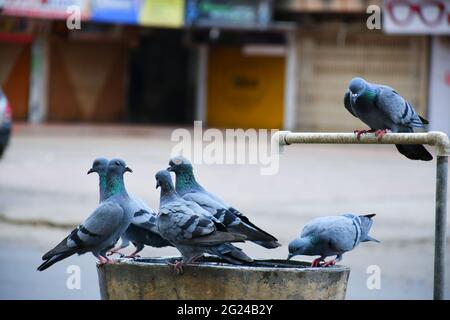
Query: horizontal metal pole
x=434 y=138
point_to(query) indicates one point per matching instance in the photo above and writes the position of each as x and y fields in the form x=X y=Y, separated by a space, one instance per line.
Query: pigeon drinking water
x=333 y=235
x=382 y=109
x=102 y=229
x=189 y=189
x=192 y=233
x=142 y=230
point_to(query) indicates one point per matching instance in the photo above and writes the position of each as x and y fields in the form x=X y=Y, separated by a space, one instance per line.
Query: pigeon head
x=163 y=180
x=357 y=86
x=298 y=247
x=99 y=165
x=118 y=166
x=180 y=164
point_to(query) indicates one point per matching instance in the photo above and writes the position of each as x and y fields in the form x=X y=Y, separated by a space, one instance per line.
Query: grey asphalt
x=43 y=186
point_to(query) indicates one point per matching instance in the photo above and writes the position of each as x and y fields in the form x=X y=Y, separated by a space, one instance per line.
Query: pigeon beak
x=354 y=97
x=169 y=169
x=128 y=169
x=157 y=184
x=90 y=171
x=290 y=256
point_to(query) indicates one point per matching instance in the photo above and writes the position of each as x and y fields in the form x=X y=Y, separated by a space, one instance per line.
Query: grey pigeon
x=189 y=189
x=333 y=235
x=382 y=108
x=142 y=230
x=102 y=229
x=192 y=233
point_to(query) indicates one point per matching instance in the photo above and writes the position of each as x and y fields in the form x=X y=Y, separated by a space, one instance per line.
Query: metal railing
x=437 y=139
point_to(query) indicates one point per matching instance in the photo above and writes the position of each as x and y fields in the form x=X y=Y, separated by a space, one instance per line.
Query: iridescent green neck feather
x=369 y=94
x=185 y=181
x=102 y=185
x=114 y=185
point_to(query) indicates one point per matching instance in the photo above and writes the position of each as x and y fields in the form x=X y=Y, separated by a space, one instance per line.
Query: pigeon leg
x=139 y=248
x=329 y=263
x=361 y=132
x=380 y=133
x=316 y=262
x=177 y=267
x=194 y=259
x=116 y=251
x=104 y=260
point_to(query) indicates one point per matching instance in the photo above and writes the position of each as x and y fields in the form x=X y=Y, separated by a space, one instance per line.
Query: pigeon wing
x=396 y=109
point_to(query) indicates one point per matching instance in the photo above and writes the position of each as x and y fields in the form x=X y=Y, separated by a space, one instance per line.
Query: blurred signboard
x=439 y=90
x=162 y=13
x=57 y=9
x=317 y=6
x=229 y=13
x=417 y=16
x=116 y=11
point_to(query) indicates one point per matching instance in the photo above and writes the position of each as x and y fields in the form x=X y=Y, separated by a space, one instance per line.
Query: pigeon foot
x=115 y=251
x=380 y=133
x=104 y=260
x=177 y=267
x=361 y=132
x=316 y=263
x=329 y=263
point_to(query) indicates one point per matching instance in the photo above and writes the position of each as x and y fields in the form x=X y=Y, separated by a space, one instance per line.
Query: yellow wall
x=244 y=91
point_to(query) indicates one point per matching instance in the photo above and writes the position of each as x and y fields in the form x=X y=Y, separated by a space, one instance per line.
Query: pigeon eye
x=177 y=161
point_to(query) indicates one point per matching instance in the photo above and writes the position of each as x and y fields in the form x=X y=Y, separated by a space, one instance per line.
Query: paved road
x=43 y=186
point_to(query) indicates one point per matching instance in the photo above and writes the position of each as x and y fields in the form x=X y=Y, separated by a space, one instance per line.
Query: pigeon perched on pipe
x=192 y=233
x=189 y=189
x=332 y=235
x=382 y=109
x=142 y=230
x=103 y=228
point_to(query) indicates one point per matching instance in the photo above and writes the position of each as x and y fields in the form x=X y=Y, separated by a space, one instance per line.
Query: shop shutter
x=329 y=57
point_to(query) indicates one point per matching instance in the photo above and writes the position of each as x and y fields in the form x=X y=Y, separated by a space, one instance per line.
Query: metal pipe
x=438 y=139
x=440 y=227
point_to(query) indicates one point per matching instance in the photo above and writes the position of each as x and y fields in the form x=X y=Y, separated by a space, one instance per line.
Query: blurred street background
x=117 y=81
x=44 y=190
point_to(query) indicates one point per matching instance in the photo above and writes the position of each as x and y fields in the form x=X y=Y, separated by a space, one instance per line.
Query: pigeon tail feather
x=414 y=152
x=366 y=224
x=54 y=259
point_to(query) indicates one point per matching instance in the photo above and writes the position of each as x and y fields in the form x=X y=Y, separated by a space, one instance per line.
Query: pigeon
x=189 y=189
x=142 y=230
x=192 y=233
x=382 y=109
x=102 y=229
x=332 y=235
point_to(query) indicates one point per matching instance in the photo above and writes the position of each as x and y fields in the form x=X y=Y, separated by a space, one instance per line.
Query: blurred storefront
x=334 y=45
x=15 y=60
x=231 y=63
